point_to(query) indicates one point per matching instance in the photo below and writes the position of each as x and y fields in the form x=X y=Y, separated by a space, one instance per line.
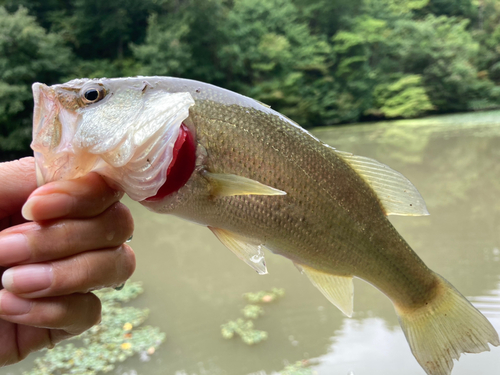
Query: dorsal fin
x=397 y=194
x=339 y=290
x=250 y=253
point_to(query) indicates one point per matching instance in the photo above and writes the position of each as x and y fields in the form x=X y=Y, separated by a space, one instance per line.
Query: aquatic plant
x=298 y=368
x=252 y=311
x=264 y=296
x=113 y=340
x=245 y=328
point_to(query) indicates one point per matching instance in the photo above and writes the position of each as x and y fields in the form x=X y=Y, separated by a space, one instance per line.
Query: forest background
x=320 y=62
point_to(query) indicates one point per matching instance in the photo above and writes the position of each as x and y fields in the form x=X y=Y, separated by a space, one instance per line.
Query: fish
x=258 y=180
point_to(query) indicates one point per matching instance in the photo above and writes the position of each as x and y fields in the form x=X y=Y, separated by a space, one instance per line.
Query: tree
x=445 y=54
x=27 y=54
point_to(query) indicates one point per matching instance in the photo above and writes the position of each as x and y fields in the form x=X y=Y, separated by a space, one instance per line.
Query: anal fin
x=230 y=184
x=339 y=290
x=250 y=253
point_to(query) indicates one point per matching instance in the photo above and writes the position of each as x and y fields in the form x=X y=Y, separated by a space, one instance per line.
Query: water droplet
x=130 y=238
x=256 y=258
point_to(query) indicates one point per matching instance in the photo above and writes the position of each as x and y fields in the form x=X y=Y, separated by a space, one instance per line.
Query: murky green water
x=193 y=284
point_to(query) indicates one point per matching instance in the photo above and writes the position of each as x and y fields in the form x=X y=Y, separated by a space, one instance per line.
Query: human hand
x=48 y=267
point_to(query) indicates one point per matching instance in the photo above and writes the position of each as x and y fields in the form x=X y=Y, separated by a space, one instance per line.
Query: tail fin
x=444 y=328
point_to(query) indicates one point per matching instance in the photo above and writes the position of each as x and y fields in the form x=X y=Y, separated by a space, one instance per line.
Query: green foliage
x=460 y=8
x=404 y=98
x=445 y=54
x=113 y=340
x=319 y=62
x=27 y=53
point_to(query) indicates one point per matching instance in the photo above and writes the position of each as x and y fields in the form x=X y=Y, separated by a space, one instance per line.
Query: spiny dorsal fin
x=339 y=290
x=397 y=194
x=230 y=184
x=249 y=253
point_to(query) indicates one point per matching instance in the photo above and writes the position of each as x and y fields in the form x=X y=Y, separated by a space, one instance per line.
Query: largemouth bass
x=256 y=179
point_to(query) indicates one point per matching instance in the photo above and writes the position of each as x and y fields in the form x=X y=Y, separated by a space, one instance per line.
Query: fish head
x=123 y=128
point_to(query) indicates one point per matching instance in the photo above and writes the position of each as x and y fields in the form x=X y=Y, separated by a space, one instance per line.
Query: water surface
x=193 y=284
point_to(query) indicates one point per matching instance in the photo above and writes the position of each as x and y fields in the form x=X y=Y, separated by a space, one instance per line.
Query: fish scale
x=345 y=221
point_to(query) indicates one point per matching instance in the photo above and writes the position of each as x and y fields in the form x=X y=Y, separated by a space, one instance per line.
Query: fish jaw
x=55 y=156
x=128 y=136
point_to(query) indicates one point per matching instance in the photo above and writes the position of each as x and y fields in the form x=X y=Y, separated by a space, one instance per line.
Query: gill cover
x=127 y=135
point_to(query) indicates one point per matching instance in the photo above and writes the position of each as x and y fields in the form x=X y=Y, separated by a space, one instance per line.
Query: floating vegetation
x=113 y=340
x=252 y=311
x=298 y=368
x=264 y=296
x=245 y=328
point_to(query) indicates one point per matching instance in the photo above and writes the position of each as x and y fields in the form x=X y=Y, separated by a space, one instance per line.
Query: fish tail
x=445 y=327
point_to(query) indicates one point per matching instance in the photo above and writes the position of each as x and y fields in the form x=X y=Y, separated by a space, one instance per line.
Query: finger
x=73 y=313
x=33 y=242
x=17 y=341
x=78 y=274
x=17 y=181
x=83 y=197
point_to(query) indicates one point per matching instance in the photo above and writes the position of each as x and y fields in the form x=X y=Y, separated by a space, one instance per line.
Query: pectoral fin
x=396 y=193
x=339 y=290
x=231 y=184
x=250 y=253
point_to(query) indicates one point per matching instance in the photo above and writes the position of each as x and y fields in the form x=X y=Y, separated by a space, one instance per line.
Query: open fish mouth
x=125 y=132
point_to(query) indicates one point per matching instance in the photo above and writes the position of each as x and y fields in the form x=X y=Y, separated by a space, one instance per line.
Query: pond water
x=193 y=284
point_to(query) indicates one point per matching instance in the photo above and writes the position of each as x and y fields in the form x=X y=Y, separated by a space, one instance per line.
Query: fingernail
x=13 y=249
x=13 y=305
x=47 y=206
x=27 y=279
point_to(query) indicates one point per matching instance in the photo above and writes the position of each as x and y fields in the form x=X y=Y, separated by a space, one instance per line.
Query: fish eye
x=93 y=94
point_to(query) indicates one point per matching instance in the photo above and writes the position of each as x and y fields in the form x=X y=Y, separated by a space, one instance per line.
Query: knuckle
x=73 y=274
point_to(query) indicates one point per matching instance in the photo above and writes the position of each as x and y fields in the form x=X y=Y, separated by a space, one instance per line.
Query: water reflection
x=371 y=347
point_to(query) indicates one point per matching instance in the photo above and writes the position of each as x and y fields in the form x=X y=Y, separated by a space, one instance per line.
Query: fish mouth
x=51 y=162
x=132 y=148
